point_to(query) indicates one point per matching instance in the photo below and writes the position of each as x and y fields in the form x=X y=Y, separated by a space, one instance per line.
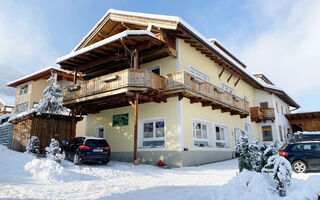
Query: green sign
x=120 y=120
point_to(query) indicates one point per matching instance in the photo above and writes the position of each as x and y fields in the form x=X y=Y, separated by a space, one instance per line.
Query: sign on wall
x=120 y=120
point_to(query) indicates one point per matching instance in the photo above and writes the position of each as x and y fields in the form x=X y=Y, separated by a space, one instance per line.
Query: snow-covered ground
x=22 y=176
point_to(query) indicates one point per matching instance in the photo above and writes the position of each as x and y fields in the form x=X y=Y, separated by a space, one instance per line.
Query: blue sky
x=277 y=37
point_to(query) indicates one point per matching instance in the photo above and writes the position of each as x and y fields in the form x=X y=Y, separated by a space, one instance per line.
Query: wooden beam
x=221 y=72
x=206 y=103
x=243 y=116
x=236 y=83
x=215 y=107
x=223 y=110
x=75 y=77
x=181 y=96
x=195 y=100
x=136 y=59
x=234 y=112
x=229 y=78
x=135 y=131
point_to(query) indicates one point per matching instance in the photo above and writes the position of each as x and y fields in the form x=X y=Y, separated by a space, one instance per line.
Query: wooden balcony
x=258 y=114
x=197 y=90
x=117 y=89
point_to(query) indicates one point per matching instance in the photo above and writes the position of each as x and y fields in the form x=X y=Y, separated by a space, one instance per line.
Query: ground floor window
x=222 y=139
x=201 y=133
x=99 y=132
x=280 y=133
x=266 y=133
x=153 y=134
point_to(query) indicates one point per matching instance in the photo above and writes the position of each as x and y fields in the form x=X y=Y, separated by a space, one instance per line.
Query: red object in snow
x=160 y=163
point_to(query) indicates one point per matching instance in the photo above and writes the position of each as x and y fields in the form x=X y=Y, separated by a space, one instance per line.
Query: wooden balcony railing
x=176 y=84
x=258 y=114
x=130 y=79
x=186 y=81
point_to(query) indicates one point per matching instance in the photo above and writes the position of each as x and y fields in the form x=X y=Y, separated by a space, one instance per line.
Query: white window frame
x=209 y=138
x=23 y=90
x=141 y=139
x=226 y=136
x=96 y=131
x=227 y=88
x=250 y=134
x=154 y=67
x=234 y=134
x=197 y=73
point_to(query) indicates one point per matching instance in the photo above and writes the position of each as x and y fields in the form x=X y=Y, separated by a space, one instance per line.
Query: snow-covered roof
x=104 y=42
x=7 y=100
x=30 y=76
x=307 y=133
x=168 y=18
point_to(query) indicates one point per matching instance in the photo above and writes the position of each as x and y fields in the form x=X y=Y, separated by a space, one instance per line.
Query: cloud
x=24 y=39
x=287 y=48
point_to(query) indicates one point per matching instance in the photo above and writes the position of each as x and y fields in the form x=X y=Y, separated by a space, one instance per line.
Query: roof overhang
x=115 y=49
x=304 y=115
x=42 y=74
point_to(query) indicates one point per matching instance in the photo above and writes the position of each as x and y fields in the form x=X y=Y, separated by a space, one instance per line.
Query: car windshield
x=96 y=143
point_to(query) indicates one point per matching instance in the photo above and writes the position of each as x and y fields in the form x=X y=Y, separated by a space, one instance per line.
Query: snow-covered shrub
x=52 y=101
x=267 y=152
x=279 y=169
x=33 y=145
x=53 y=152
x=250 y=155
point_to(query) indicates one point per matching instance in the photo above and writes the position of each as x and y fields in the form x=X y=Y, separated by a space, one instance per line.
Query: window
x=155 y=69
x=22 y=107
x=24 y=89
x=35 y=104
x=201 y=132
x=245 y=98
x=227 y=89
x=281 y=109
x=222 y=139
x=311 y=147
x=99 y=132
x=280 y=133
x=153 y=134
x=248 y=130
x=264 y=105
x=288 y=109
x=277 y=107
x=266 y=133
x=199 y=74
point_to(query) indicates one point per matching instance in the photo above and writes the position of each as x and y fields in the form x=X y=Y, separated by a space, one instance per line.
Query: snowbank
x=45 y=169
x=21 y=176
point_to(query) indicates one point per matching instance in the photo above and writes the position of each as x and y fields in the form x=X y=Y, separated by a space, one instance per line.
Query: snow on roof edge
x=35 y=73
x=111 y=10
x=105 y=41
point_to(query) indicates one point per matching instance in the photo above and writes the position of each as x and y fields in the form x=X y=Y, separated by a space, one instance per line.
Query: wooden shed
x=45 y=127
x=307 y=121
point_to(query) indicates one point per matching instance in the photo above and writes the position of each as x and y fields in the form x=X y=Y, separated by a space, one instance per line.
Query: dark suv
x=303 y=156
x=86 y=149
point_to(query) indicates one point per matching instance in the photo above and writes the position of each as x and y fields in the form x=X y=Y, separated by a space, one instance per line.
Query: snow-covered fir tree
x=267 y=152
x=33 y=145
x=250 y=155
x=53 y=152
x=52 y=101
x=279 y=169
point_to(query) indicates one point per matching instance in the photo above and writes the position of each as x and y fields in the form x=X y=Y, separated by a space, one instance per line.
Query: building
x=304 y=121
x=6 y=104
x=271 y=105
x=159 y=90
x=29 y=91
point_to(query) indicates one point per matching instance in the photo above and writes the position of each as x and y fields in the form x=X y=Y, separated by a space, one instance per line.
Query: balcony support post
x=136 y=59
x=135 y=134
x=75 y=77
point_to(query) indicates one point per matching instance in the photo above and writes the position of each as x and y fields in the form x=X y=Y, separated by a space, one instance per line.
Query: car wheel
x=76 y=160
x=299 y=166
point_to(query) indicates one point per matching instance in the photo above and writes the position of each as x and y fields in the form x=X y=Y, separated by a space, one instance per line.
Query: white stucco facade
x=280 y=109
